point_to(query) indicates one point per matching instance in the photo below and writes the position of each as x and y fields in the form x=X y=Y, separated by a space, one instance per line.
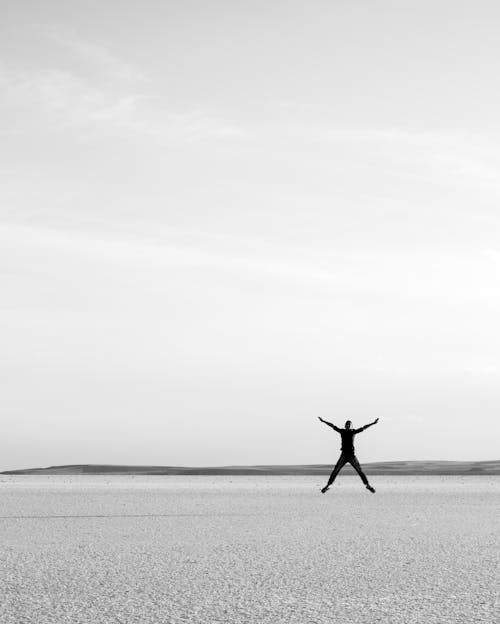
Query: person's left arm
x=366 y=426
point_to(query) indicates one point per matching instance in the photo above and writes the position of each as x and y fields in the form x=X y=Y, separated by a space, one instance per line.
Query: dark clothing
x=347 y=458
x=347 y=436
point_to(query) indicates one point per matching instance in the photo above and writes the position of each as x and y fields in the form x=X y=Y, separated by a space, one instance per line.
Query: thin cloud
x=380 y=275
x=96 y=55
x=493 y=255
x=69 y=102
x=460 y=156
x=132 y=251
x=107 y=97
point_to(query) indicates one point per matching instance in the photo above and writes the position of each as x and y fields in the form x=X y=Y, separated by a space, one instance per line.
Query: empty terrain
x=248 y=550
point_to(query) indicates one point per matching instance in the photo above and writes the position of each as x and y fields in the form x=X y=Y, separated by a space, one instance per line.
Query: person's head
x=348 y=424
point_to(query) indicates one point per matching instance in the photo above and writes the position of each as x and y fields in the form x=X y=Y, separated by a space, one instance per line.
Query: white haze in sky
x=220 y=220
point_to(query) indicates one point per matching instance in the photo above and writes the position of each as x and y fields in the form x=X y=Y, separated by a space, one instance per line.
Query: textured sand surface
x=249 y=549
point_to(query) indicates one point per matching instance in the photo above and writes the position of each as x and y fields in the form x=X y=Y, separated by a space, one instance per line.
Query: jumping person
x=347 y=454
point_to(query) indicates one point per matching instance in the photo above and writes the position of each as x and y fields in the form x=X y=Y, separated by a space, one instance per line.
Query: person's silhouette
x=347 y=454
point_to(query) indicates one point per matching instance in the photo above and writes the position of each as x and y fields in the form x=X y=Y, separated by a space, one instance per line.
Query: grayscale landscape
x=234 y=236
x=246 y=549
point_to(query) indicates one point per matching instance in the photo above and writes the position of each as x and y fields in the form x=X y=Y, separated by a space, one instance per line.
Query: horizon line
x=425 y=466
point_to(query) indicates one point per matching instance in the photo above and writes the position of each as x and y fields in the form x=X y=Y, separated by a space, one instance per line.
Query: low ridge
x=375 y=468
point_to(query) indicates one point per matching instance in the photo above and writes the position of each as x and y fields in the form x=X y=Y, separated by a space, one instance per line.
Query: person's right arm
x=329 y=424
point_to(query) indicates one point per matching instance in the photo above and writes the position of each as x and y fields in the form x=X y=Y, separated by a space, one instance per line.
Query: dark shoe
x=323 y=490
x=372 y=489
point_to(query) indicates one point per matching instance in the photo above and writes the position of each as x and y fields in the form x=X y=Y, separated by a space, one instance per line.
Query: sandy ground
x=249 y=549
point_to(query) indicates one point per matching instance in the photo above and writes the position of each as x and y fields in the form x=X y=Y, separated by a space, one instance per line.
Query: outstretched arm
x=366 y=426
x=329 y=424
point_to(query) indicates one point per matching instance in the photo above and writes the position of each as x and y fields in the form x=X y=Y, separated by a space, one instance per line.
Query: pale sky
x=220 y=220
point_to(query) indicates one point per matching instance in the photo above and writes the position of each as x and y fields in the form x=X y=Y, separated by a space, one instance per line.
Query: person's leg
x=357 y=467
x=335 y=472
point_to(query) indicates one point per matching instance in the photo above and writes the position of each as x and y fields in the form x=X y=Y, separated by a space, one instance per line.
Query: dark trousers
x=344 y=459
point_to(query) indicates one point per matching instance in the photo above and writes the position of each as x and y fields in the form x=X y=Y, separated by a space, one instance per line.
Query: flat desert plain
x=205 y=549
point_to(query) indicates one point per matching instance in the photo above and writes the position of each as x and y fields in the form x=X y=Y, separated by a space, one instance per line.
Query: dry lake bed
x=241 y=549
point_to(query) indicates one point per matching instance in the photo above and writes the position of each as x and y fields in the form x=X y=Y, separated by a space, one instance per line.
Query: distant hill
x=377 y=468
